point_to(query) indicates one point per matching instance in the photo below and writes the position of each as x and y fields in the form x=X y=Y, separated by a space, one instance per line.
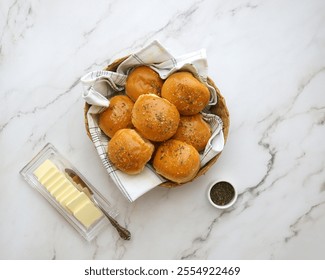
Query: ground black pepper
x=222 y=193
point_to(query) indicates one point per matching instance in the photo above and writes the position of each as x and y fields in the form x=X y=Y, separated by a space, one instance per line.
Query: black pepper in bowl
x=222 y=193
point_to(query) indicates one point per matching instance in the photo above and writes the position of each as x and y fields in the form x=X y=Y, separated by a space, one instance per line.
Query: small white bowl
x=230 y=203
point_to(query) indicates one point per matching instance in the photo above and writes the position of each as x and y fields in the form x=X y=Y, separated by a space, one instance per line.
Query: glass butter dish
x=68 y=191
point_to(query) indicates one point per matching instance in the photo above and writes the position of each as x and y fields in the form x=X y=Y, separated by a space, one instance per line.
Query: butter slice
x=60 y=186
x=68 y=189
x=62 y=198
x=48 y=174
x=88 y=214
x=78 y=202
x=70 y=197
x=56 y=185
x=84 y=210
x=67 y=194
x=48 y=183
x=44 y=168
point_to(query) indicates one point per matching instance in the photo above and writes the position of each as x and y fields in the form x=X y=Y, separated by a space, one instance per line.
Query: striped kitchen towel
x=100 y=85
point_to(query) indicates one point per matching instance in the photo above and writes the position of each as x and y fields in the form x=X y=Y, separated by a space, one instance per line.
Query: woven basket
x=219 y=109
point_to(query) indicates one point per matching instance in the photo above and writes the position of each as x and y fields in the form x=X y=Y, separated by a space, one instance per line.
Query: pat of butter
x=78 y=202
x=48 y=183
x=70 y=197
x=67 y=194
x=88 y=213
x=57 y=185
x=64 y=192
x=60 y=187
x=64 y=195
x=44 y=168
x=47 y=175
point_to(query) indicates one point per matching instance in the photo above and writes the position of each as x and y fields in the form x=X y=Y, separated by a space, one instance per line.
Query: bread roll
x=117 y=115
x=188 y=94
x=128 y=151
x=177 y=161
x=155 y=117
x=143 y=80
x=193 y=130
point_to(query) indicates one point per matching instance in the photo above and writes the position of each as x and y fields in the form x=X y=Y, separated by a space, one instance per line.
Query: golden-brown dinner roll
x=177 y=161
x=188 y=94
x=155 y=117
x=128 y=151
x=143 y=80
x=193 y=130
x=117 y=115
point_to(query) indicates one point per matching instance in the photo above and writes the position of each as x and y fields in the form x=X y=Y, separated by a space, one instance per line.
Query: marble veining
x=268 y=60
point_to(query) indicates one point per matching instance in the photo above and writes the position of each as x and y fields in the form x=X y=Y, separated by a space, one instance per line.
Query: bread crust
x=117 y=115
x=155 y=118
x=177 y=161
x=193 y=130
x=188 y=94
x=128 y=151
x=143 y=80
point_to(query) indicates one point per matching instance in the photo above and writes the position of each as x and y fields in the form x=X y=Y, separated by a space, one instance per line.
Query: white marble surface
x=267 y=58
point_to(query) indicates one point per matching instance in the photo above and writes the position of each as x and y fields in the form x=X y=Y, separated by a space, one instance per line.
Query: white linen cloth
x=100 y=85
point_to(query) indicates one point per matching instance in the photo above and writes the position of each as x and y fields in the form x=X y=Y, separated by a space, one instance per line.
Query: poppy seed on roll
x=129 y=151
x=188 y=94
x=177 y=161
x=154 y=117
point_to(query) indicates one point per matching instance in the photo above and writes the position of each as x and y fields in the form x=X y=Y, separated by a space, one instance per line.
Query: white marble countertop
x=267 y=58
